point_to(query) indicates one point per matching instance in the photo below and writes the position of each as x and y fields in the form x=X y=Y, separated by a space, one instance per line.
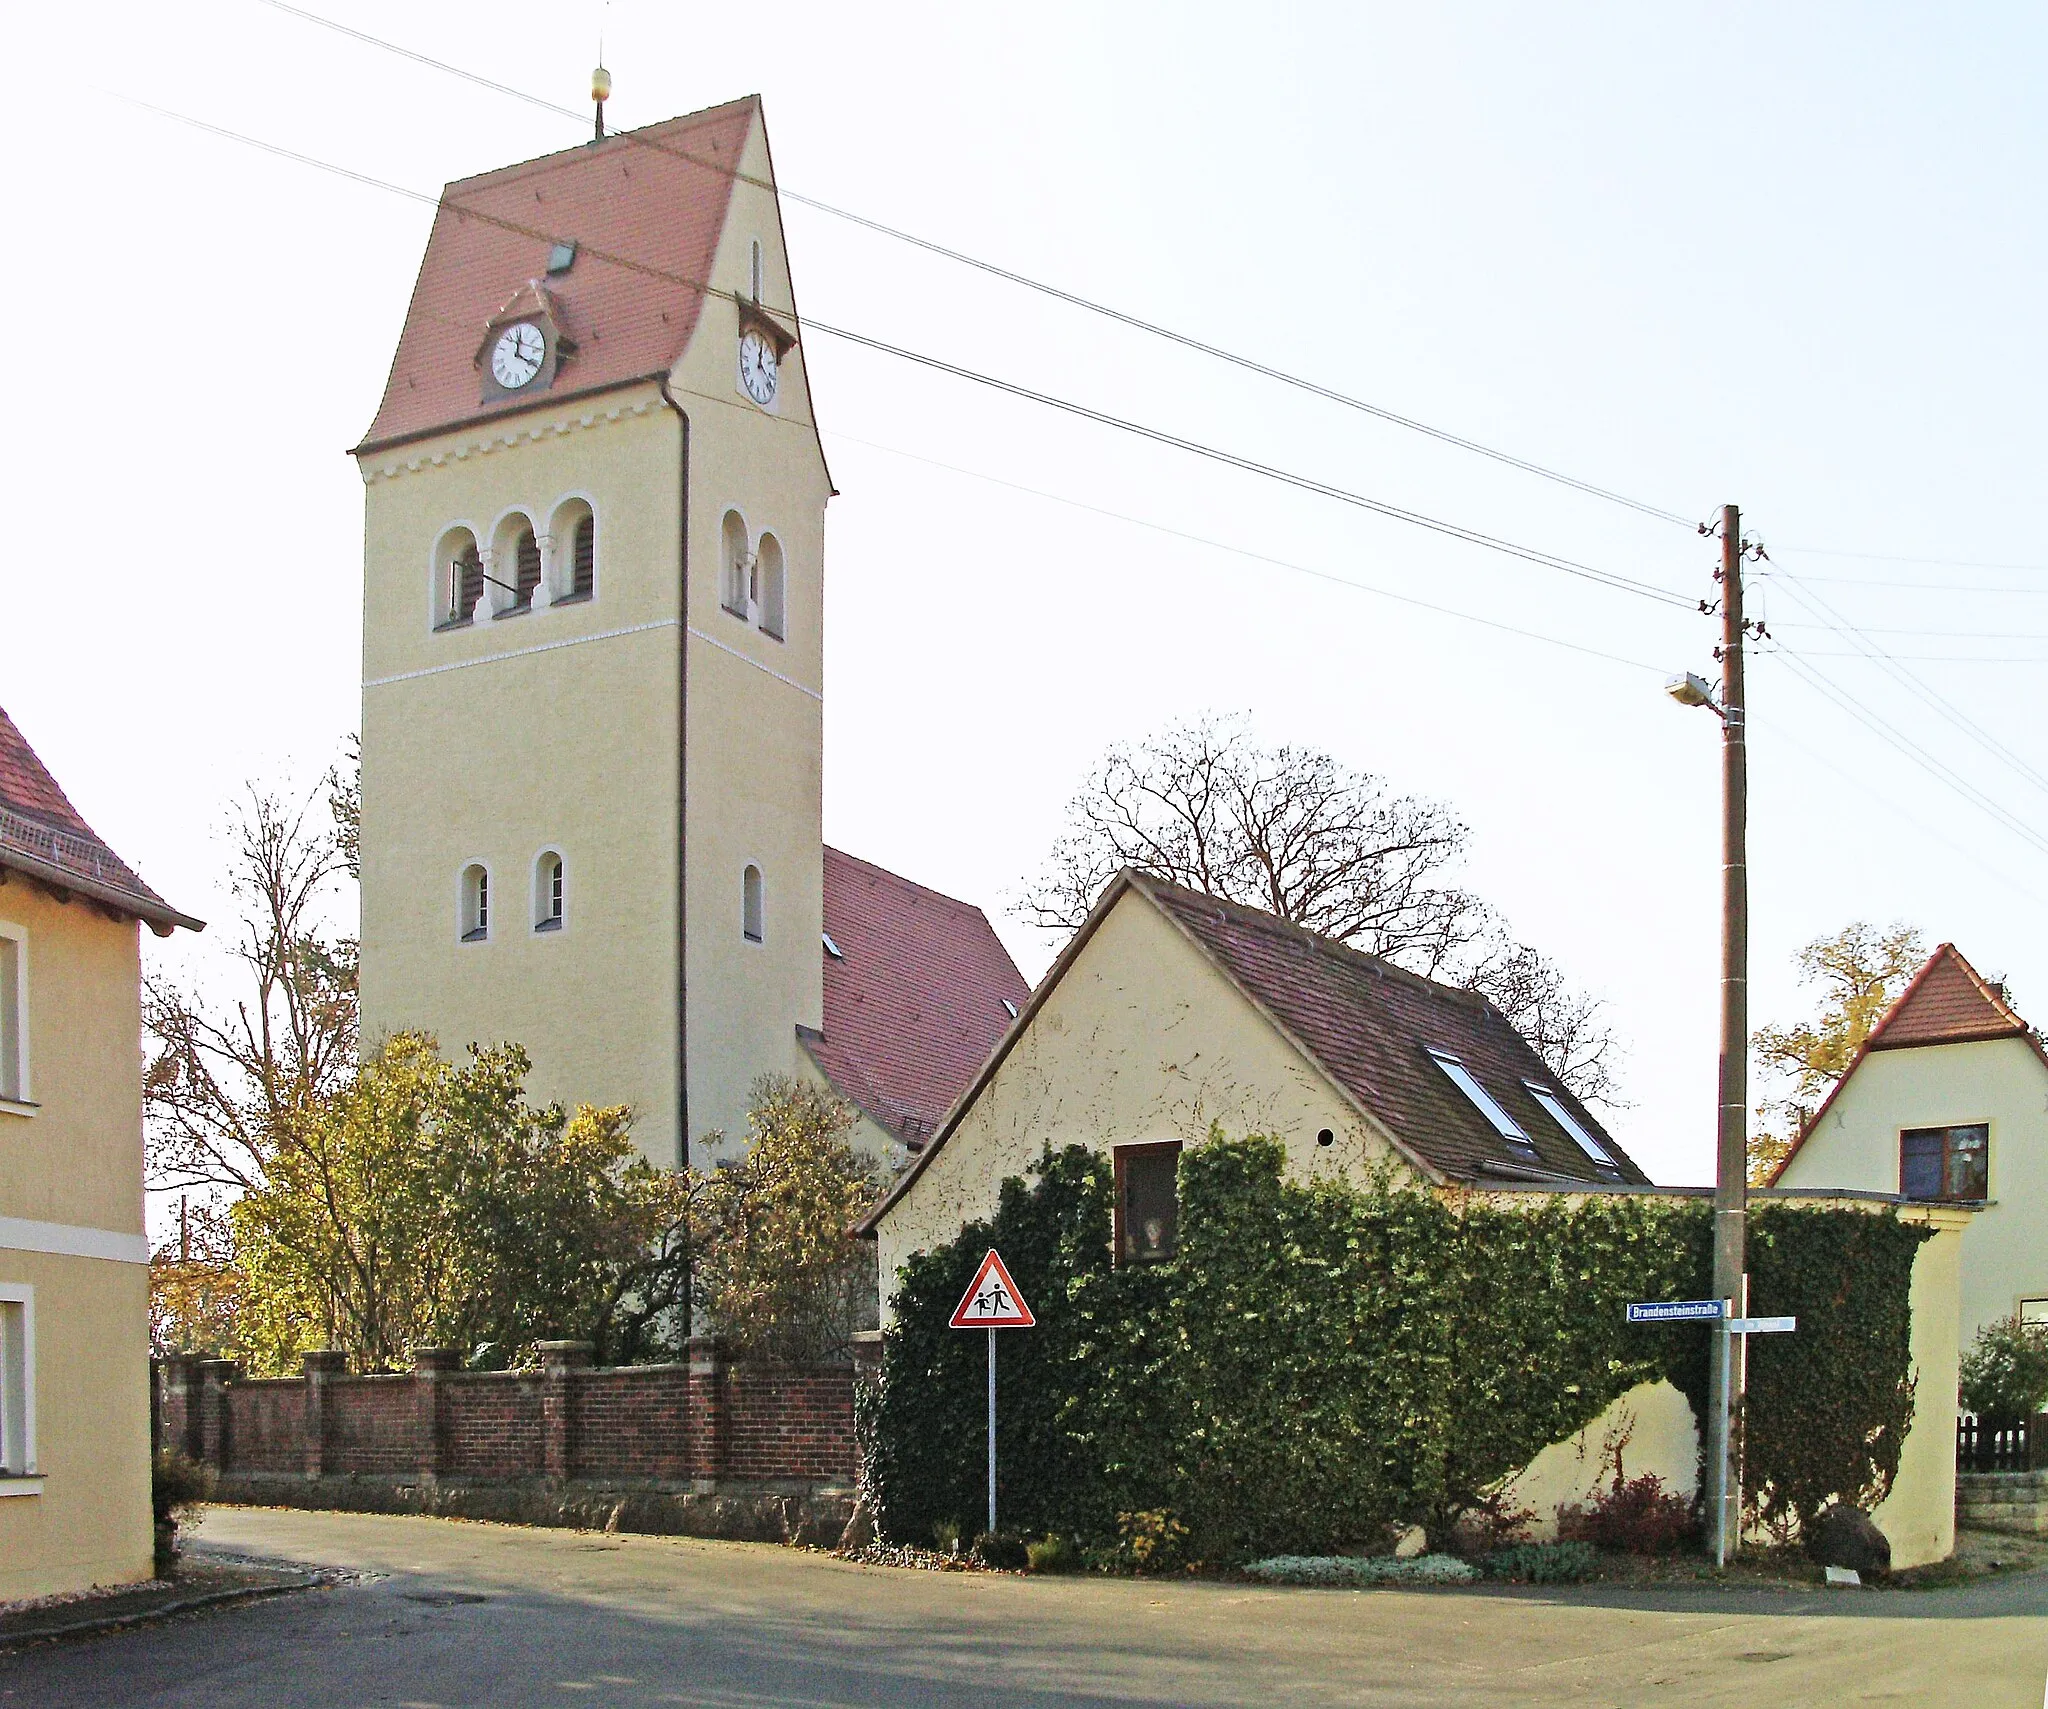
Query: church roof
x=1947 y=1002
x=1371 y=1027
x=44 y=838
x=914 y=1000
x=645 y=210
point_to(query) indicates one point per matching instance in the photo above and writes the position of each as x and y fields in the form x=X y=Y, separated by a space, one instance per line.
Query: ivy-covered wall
x=1323 y=1360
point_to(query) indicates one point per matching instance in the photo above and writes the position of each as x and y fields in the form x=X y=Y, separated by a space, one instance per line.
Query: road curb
x=146 y=1616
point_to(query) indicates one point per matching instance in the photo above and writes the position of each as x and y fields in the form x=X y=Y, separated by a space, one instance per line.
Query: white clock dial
x=517 y=355
x=757 y=369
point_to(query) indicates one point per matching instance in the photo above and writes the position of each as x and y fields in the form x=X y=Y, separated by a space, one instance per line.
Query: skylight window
x=1502 y=1123
x=1011 y=1007
x=1553 y=1107
x=563 y=256
x=831 y=948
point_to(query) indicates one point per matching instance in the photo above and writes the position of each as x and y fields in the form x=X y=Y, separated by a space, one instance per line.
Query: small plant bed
x=1355 y=1572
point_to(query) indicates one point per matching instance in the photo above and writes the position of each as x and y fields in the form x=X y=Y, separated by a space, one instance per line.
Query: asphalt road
x=450 y=1616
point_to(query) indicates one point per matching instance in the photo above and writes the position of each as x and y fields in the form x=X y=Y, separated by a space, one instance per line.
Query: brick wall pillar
x=181 y=1404
x=867 y=1357
x=321 y=1369
x=560 y=1361
x=429 y=1366
x=216 y=1431
x=710 y=1413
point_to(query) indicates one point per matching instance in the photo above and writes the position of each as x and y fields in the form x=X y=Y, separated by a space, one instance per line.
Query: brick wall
x=708 y=1422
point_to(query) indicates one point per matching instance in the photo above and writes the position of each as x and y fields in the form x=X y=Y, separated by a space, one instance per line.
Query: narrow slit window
x=1483 y=1101
x=735 y=565
x=583 y=558
x=526 y=553
x=757 y=270
x=770 y=587
x=750 y=905
x=17 y=1384
x=1553 y=1106
x=476 y=905
x=13 y=1019
x=548 y=891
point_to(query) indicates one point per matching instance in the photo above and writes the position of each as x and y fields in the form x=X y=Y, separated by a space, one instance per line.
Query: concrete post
x=867 y=1357
x=216 y=1430
x=321 y=1369
x=429 y=1366
x=710 y=1412
x=560 y=1361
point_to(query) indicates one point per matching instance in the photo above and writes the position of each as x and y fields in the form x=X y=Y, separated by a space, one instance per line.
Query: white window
x=1502 y=1123
x=769 y=586
x=13 y=1014
x=750 y=905
x=735 y=566
x=550 y=878
x=2034 y=1311
x=475 y=914
x=1553 y=1107
x=17 y=1380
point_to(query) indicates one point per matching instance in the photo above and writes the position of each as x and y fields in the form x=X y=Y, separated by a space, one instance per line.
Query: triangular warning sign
x=992 y=1301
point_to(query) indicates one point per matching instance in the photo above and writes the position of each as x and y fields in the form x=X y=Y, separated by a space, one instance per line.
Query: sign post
x=1728 y=1350
x=992 y=1303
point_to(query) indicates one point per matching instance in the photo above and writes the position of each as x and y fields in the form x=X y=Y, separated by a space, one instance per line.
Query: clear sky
x=1785 y=256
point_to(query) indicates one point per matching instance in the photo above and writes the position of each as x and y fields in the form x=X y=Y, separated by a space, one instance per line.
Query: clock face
x=517 y=355
x=757 y=369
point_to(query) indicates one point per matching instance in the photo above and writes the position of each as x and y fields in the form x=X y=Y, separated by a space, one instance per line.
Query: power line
x=1211 y=453
x=1011 y=276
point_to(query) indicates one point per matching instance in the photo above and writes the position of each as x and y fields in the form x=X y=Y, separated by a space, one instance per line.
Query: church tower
x=593 y=640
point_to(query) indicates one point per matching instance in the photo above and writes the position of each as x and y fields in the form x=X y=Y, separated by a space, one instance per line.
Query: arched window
x=475 y=916
x=750 y=905
x=549 y=883
x=458 y=577
x=735 y=565
x=572 y=552
x=514 y=566
x=770 y=590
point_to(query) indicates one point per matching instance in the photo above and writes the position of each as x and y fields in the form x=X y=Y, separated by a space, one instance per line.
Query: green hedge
x=1324 y=1360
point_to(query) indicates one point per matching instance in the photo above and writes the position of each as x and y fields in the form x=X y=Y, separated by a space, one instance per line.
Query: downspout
x=682 y=782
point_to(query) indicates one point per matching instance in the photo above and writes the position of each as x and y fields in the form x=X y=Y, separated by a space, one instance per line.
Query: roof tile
x=1948 y=1002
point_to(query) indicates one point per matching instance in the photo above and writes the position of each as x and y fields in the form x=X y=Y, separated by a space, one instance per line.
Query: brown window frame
x=1119 y=1156
x=1949 y=1154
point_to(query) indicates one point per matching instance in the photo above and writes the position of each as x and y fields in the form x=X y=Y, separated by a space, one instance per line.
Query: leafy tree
x=1294 y=831
x=2005 y=1372
x=1860 y=971
x=426 y=1203
x=777 y=1272
x=195 y=1287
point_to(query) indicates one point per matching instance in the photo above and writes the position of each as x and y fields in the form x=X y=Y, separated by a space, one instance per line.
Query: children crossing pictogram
x=992 y=1300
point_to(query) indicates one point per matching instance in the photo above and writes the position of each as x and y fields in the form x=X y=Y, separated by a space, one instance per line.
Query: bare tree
x=1286 y=829
x=224 y=1080
x=1294 y=831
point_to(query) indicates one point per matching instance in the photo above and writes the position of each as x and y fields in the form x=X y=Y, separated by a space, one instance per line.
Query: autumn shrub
x=2005 y=1372
x=1638 y=1516
x=177 y=1485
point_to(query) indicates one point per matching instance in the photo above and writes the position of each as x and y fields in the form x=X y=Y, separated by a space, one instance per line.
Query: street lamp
x=1731 y=1148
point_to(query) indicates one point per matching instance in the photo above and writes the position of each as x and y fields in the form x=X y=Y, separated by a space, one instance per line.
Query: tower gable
x=644 y=212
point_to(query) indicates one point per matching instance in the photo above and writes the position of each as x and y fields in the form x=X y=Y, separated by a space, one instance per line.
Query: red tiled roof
x=1371 y=1026
x=913 y=1001
x=43 y=837
x=1946 y=1002
x=644 y=206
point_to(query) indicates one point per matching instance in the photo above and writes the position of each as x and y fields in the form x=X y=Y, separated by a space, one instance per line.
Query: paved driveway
x=481 y=1615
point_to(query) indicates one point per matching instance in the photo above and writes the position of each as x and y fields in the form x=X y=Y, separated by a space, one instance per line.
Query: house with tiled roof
x=918 y=991
x=1947 y=1102
x=74 y=1263
x=1172 y=1011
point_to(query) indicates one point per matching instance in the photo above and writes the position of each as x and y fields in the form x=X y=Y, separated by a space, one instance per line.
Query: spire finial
x=600 y=92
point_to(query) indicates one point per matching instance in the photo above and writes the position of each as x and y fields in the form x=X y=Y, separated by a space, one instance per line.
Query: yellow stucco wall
x=1142 y=1039
x=1650 y=1429
x=1919 y=1516
x=1999 y=1081
x=558 y=729
x=73 y=1170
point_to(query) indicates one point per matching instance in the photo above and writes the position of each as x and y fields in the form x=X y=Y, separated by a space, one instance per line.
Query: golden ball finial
x=600 y=84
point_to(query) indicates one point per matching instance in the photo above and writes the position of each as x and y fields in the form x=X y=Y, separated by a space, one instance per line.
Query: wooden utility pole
x=1731 y=1178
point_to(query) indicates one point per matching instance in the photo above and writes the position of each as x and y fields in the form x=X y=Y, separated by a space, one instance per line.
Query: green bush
x=1323 y=1361
x=176 y=1486
x=1543 y=1563
x=1053 y=1554
x=2005 y=1372
x=1002 y=1550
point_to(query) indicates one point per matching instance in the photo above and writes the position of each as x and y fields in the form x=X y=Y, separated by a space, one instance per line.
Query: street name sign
x=992 y=1300
x=1762 y=1325
x=1675 y=1311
